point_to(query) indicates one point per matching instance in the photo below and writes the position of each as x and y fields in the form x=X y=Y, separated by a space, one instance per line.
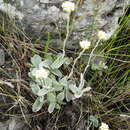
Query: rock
x=13 y=124
x=38 y=17
x=44 y=1
x=2 y=57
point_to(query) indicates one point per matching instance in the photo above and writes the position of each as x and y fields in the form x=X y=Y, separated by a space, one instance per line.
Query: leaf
x=51 y=107
x=68 y=61
x=51 y=97
x=60 y=96
x=38 y=104
x=42 y=92
x=35 y=88
x=63 y=81
x=86 y=89
x=94 y=120
x=58 y=62
x=73 y=88
x=46 y=63
x=56 y=72
x=32 y=72
x=36 y=60
x=41 y=98
x=78 y=94
x=48 y=82
x=57 y=86
x=68 y=96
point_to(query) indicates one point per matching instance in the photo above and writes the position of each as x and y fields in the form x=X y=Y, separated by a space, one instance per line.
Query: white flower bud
x=85 y=44
x=103 y=36
x=104 y=126
x=41 y=73
x=68 y=6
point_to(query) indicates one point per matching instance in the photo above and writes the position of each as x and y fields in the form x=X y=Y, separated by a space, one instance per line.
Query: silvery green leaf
x=48 y=82
x=58 y=62
x=68 y=96
x=51 y=97
x=42 y=92
x=86 y=89
x=78 y=94
x=94 y=120
x=33 y=72
x=73 y=88
x=41 y=98
x=60 y=96
x=37 y=104
x=51 y=107
x=36 y=60
x=57 y=86
x=39 y=82
x=35 y=88
x=56 y=72
x=46 y=63
x=68 y=61
x=63 y=81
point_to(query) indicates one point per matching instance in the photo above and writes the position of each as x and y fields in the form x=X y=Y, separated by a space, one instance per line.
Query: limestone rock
x=38 y=17
x=13 y=124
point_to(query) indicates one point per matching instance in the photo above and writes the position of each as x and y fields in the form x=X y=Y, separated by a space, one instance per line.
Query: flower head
x=104 y=126
x=68 y=6
x=102 y=35
x=85 y=44
x=41 y=73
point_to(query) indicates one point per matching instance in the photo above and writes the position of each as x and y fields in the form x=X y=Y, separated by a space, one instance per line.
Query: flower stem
x=67 y=34
x=75 y=61
x=91 y=55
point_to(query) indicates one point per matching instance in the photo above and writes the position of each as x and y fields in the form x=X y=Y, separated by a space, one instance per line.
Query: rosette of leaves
x=53 y=89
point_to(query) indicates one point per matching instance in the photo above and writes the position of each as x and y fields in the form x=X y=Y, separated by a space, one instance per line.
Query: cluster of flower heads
x=40 y=73
x=104 y=126
x=69 y=7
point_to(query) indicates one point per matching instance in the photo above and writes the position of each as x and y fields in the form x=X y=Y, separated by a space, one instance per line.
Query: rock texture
x=13 y=124
x=38 y=17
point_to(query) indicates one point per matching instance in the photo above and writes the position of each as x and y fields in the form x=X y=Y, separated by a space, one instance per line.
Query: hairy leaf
x=51 y=97
x=36 y=60
x=38 y=104
x=42 y=92
x=58 y=62
x=60 y=97
x=51 y=107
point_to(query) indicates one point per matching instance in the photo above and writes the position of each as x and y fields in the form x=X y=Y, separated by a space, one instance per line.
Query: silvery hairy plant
x=50 y=85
